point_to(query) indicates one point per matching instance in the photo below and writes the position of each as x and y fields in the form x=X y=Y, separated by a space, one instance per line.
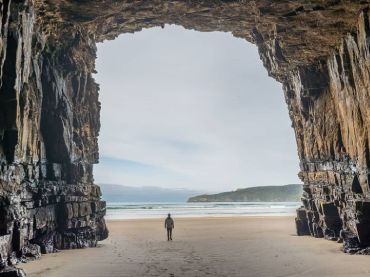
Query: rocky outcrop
x=49 y=122
x=331 y=118
x=49 y=108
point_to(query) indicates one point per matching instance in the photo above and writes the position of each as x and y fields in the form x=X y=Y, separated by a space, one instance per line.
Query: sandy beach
x=233 y=246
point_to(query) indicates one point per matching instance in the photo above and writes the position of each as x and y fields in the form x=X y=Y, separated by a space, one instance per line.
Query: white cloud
x=197 y=109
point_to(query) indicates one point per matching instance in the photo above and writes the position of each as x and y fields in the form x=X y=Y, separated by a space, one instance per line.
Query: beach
x=227 y=246
x=146 y=210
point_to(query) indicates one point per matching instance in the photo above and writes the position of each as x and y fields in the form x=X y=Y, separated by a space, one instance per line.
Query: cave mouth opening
x=189 y=109
x=315 y=52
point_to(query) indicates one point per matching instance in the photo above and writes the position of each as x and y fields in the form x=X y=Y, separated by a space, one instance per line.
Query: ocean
x=124 y=210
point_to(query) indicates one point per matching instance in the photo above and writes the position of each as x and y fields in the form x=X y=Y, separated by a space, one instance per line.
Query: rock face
x=49 y=108
x=49 y=122
x=331 y=118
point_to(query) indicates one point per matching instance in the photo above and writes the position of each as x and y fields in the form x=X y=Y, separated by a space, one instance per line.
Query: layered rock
x=48 y=143
x=49 y=108
x=331 y=118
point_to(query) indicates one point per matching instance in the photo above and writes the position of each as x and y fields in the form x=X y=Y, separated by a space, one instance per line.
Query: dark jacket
x=169 y=224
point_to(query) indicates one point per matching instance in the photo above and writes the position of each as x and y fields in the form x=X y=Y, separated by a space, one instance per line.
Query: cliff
x=49 y=109
x=287 y=193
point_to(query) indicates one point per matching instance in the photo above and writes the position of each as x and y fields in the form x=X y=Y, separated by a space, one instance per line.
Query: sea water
x=124 y=210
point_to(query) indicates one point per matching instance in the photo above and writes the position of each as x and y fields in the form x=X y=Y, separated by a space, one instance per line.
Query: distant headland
x=286 y=193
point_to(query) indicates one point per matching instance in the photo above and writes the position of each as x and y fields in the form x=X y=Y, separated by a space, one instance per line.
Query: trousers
x=169 y=233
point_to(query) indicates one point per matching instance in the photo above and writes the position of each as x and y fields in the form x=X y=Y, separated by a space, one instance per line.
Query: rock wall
x=331 y=117
x=49 y=122
x=49 y=109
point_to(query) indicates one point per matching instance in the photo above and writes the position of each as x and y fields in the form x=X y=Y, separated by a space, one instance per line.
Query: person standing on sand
x=169 y=224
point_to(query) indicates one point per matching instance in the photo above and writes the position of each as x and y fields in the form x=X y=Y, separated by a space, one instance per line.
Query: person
x=169 y=224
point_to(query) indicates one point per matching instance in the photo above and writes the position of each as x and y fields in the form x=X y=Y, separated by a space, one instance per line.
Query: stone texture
x=49 y=109
x=49 y=123
x=12 y=272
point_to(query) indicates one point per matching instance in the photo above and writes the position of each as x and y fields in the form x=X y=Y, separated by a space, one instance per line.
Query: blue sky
x=184 y=109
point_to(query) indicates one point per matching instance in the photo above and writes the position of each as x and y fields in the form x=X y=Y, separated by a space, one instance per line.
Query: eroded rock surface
x=49 y=109
x=49 y=122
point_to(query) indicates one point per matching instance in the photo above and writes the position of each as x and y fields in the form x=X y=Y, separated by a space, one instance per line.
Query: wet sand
x=234 y=246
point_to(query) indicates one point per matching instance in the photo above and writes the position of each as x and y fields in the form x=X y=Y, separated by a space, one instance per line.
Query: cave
x=49 y=117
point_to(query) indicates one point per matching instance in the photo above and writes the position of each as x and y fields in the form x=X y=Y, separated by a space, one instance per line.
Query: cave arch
x=318 y=50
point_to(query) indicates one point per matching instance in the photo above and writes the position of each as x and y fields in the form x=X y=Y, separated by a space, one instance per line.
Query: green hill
x=287 y=193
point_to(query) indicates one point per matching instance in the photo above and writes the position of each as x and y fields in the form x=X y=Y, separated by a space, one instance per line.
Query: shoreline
x=107 y=218
x=206 y=217
x=121 y=210
x=226 y=246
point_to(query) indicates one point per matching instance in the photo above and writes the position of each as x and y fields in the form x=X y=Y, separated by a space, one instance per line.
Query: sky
x=185 y=109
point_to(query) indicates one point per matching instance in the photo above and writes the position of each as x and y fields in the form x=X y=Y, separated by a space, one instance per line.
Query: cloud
x=196 y=108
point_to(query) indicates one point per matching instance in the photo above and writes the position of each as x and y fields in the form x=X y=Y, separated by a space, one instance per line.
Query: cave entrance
x=188 y=109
